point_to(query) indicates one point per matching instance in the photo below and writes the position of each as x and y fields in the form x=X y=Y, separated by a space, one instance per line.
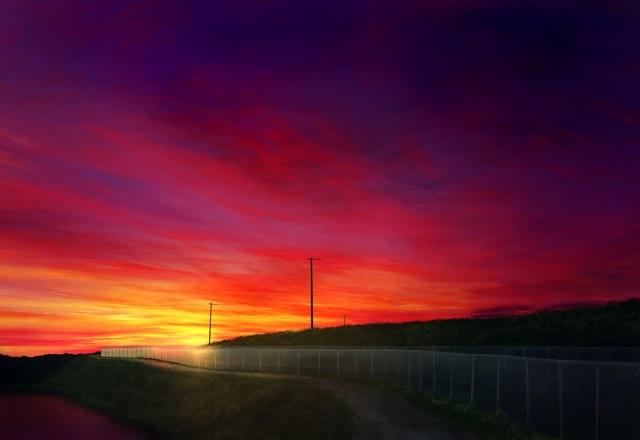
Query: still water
x=34 y=416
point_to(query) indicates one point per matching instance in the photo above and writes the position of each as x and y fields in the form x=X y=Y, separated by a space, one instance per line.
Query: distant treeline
x=614 y=324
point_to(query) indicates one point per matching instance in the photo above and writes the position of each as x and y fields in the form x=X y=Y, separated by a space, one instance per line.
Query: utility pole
x=311 y=284
x=210 y=313
x=211 y=304
x=344 y=320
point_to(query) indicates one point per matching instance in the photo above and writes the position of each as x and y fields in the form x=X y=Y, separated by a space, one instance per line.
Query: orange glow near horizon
x=137 y=312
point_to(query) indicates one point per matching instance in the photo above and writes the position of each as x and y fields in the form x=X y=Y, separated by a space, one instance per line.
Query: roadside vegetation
x=172 y=403
x=486 y=425
x=614 y=324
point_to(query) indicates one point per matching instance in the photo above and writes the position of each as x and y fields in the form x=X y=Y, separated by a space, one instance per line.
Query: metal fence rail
x=562 y=398
x=609 y=354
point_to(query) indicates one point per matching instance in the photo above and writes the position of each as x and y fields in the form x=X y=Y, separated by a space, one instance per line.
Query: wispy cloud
x=446 y=160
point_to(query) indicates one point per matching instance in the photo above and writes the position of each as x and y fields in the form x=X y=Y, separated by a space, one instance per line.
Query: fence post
x=318 y=373
x=473 y=377
x=498 y=386
x=420 y=370
x=338 y=362
x=371 y=363
x=386 y=366
x=597 y=401
x=526 y=368
x=560 y=406
x=260 y=358
x=450 y=378
x=434 y=371
x=355 y=363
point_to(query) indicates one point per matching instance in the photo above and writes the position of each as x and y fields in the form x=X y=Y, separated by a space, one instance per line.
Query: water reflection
x=34 y=416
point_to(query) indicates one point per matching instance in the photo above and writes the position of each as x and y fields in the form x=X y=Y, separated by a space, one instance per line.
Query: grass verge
x=486 y=425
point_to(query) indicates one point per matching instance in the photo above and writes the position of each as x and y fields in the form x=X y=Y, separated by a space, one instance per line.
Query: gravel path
x=384 y=415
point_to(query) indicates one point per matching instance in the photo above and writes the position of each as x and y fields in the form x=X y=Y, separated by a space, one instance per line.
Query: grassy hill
x=614 y=324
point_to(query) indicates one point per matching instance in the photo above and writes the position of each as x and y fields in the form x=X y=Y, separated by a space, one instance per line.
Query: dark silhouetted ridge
x=614 y=324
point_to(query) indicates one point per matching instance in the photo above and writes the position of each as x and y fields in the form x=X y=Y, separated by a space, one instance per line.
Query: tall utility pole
x=311 y=284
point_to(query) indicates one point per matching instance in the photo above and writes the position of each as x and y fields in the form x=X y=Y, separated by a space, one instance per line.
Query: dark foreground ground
x=382 y=415
x=182 y=404
x=170 y=401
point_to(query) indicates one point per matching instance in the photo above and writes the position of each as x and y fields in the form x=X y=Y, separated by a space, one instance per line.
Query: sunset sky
x=443 y=158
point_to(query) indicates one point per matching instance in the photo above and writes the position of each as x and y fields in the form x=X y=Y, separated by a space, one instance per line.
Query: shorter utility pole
x=211 y=304
x=210 y=313
x=344 y=320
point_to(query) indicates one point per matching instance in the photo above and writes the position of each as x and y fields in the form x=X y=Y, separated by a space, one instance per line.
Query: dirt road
x=384 y=415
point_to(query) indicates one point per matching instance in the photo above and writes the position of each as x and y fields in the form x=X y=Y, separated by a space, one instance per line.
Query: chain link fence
x=609 y=354
x=568 y=399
